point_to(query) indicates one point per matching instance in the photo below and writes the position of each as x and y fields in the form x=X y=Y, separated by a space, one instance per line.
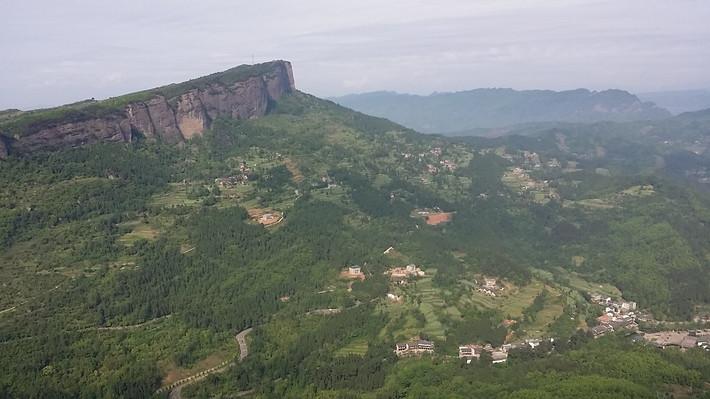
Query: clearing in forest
x=264 y=216
x=139 y=230
x=295 y=171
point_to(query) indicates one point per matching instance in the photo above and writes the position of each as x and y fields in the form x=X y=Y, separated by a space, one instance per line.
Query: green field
x=357 y=346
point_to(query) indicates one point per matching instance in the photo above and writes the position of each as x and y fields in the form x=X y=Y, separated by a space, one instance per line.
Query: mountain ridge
x=171 y=113
x=500 y=107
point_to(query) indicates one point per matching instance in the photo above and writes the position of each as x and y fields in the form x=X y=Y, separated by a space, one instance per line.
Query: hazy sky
x=55 y=52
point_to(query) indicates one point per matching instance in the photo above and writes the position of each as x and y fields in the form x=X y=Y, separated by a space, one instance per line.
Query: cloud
x=59 y=54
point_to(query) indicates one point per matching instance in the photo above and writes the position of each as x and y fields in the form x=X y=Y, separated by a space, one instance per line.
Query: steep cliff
x=170 y=114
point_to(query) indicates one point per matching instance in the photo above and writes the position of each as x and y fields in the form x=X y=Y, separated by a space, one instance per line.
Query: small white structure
x=499 y=357
x=394 y=298
x=628 y=306
x=469 y=351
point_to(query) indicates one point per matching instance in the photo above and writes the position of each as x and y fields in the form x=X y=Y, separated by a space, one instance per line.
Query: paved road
x=176 y=387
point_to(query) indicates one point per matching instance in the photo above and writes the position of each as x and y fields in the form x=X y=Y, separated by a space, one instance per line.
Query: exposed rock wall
x=164 y=121
x=191 y=116
x=168 y=120
x=75 y=134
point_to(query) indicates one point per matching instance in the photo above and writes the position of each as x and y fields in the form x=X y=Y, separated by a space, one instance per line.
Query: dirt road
x=176 y=387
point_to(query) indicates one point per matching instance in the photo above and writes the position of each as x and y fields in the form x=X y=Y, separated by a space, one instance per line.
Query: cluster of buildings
x=498 y=354
x=618 y=314
x=473 y=351
x=402 y=274
x=531 y=159
x=241 y=178
x=325 y=182
x=554 y=163
x=679 y=339
x=466 y=352
x=489 y=286
x=415 y=347
x=434 y=168
x=448 y=165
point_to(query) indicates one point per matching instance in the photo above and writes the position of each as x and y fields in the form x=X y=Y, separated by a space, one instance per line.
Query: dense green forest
x=127 y=267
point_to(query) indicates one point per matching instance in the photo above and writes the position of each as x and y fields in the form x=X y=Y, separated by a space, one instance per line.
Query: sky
x=56 y=52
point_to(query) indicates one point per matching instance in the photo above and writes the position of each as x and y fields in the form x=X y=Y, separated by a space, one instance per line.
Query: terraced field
x=357 y=346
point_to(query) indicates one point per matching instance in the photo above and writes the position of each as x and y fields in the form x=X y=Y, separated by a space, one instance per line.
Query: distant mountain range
x=679 y=101
x=450 y=113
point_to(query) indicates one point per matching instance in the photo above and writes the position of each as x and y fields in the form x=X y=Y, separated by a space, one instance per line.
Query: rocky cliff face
x=74 y=134
x=170 y=120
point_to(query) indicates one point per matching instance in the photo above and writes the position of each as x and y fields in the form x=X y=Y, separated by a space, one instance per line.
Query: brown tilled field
x=295 y=171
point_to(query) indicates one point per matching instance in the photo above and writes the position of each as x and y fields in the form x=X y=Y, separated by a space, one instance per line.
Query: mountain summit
x=492 y=108
x=170 y=113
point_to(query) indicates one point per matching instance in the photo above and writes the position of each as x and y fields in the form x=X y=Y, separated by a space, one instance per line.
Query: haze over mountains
x=679 y=101
x=452 y=113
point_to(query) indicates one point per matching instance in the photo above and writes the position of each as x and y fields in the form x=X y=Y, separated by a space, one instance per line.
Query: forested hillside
x=127 y=268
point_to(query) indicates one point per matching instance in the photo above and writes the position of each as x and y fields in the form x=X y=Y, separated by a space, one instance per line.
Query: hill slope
x=126 y=267
x=487 y=108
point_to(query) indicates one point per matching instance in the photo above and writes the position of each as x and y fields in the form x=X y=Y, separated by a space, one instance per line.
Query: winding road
x=176 y=387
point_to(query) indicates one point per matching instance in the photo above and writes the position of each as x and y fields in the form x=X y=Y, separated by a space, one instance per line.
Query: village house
x=533 y=342
x=531 y=159
x=627 y=306
x=447 y=164
x=489 y=286
x=394 y=298
x=490 y=283
x=417 y=347
x=434 y=219
x=403 y=273
x=680 y=339
x=499 y=356
x=598 y=331
x=470 y=351
x=353 y=272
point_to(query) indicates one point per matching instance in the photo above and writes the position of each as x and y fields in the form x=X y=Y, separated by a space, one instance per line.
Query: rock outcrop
x=74 y=134
x=164 y=120
x=191 y=114
x=247 y=93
